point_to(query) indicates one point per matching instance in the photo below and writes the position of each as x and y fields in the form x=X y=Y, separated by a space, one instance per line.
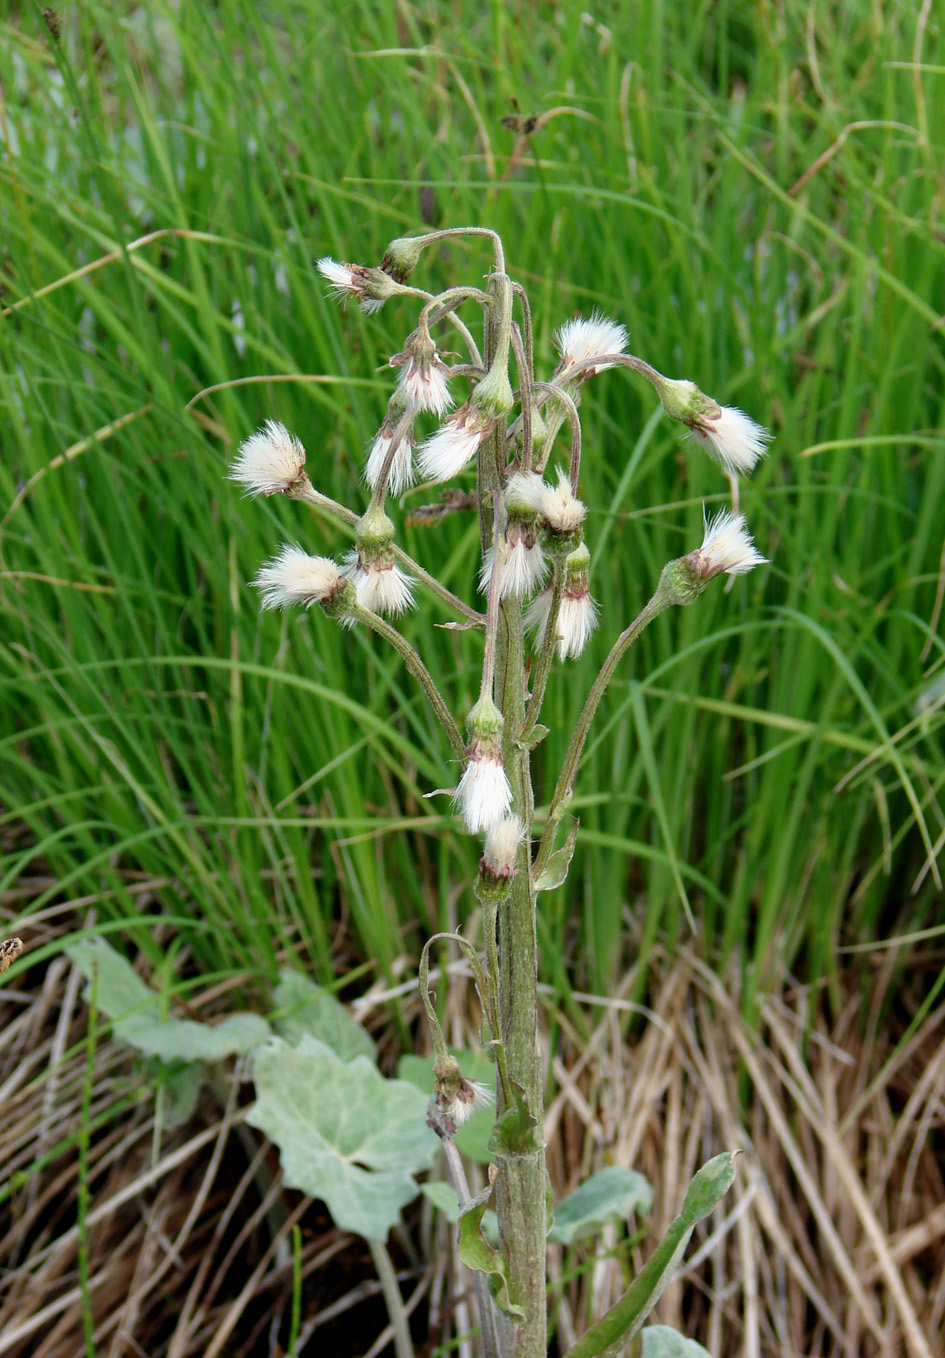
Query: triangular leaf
x=659 y=1341
x=344 y=1133
x=476 y=1252
x=136 y=1015
x=307 y=1008
x=612 y=1194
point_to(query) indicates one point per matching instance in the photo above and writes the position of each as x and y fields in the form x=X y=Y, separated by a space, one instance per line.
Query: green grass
x=260 y=781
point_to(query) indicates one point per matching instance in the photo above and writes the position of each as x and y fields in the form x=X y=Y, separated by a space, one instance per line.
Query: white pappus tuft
x=401 y=474
x=381 y=587
x=453 y=446
x=294 y=577
x=732 y=438
x=581 y=339
x=523 y=562
x=484 y=796
x=269 y=462
x=727 y=547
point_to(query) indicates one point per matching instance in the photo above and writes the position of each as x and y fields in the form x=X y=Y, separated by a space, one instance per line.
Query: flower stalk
x=525 y=523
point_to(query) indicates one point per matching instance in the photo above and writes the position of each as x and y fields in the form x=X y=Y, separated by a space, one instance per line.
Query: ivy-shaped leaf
x=306 y=1008
x=344 y=1133
x=612 y=1194
x=136 y=1015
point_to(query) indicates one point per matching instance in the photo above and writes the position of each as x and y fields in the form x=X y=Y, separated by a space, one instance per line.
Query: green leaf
x=472 y=1139
x=476 y=1252
x=659 y=1341
x=609 y=1336
x=344 y=1133
x=444 y=1199
x=135 y=1012
x=182 y=1087
x=612 y=1194
x=556 y=869
x=515 y=1131
x=305 y=1007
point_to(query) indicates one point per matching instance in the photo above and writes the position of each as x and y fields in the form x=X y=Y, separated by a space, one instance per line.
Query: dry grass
x=833 y=1243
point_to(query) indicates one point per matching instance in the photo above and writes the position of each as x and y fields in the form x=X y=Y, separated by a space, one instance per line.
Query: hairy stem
x=403 y=1345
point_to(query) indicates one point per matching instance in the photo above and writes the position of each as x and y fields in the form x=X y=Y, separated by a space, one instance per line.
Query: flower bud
x=580 y=339
x=401 y=473
x=455 y=1098
x=401 y=257
x=577 y=614
x=727 y=434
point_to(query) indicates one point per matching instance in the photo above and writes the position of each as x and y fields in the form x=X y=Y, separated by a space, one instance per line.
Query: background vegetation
x=754 y=189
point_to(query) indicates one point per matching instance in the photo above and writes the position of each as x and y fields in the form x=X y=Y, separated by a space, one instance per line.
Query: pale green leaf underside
x=135 y=1012
x=612 y=1194
x=307 y=1008
x=660 y=1341
x=344 y=1133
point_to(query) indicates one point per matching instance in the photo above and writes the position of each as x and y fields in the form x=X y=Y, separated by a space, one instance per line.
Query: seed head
x=454 y=445
x=727 y=547
x=269 y=462
x=580 y=339
x=370 y=288
x=523 y=562
x=294 y=577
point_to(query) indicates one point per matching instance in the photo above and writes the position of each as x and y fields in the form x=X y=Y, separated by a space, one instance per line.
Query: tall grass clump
x=753 y=190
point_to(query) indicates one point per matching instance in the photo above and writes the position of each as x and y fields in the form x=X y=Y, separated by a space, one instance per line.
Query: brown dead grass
x=833 y=1242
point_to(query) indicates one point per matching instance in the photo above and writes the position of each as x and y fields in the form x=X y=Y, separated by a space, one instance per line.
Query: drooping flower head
x=457 y=442
x=379 y=582
x=455 y=1098
x=423 y=381
x=370 y=288
x=484 y=796
x=269 y=462
x=582 y=339
x=294 y=577
x=727 y=434
x=558 y=509
x=401 y=473
x=577 y=614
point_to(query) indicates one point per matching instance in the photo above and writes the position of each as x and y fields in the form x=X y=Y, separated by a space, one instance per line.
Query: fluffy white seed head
x=727 y=547
x=525 y=492
x=561 y=509
x=523 y=562
x=269 y=462
x=577 y=619
x=453 y=446
x=731 y=438
x=294 y=577
x=470 y=1096
x=501 y=848
x=484 y=797
x=380 y=584
x=370 y=288
x=581 y=339
x=422 y=384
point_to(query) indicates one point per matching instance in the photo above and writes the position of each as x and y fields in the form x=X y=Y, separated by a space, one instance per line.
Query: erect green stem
x=525 y=388
x=307 y=493
x=495 y=588
x=419 y=671
x=546 y=654
x=403 y=1347
x=562 y=793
